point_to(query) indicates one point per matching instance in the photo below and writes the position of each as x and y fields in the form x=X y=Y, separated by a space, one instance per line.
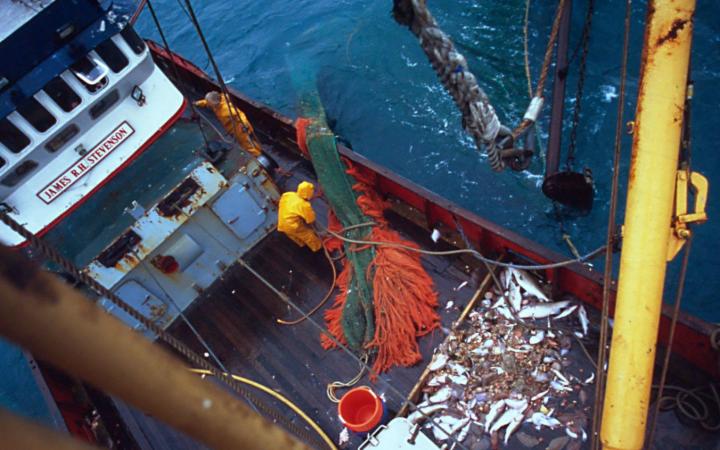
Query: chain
x=53 y=255
x=585 y=41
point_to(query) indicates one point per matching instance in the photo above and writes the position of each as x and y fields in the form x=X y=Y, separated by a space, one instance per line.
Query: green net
x=357 y=316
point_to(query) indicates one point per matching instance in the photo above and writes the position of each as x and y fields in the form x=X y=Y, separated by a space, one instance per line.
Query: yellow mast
x=647 y=232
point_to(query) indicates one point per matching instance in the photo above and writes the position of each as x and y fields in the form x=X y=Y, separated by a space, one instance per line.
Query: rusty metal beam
x=552 y=158
x=57 y=324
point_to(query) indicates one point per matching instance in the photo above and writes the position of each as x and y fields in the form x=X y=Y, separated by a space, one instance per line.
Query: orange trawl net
x=404 y=298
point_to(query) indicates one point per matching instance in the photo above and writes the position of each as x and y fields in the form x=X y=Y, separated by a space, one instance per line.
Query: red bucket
x=360 y=409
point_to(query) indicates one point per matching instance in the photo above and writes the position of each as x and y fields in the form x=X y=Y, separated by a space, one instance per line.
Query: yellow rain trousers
x=295 y=214
x=243 y=131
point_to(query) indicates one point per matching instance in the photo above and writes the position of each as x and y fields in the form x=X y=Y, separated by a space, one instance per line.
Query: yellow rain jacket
x=243 y=131
x=294 y=215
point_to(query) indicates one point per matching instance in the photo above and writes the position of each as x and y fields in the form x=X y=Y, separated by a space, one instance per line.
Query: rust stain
x=672 y=34
x=188 y=193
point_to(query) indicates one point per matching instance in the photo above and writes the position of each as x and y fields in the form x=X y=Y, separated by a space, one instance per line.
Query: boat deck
x=237 y=318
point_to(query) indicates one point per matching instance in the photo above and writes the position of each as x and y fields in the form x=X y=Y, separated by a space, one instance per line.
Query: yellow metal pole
x=58 y=325
x=648 y=217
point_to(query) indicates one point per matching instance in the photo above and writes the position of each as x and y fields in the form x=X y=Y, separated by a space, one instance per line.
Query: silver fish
x=567 y=312
x=519 y=404
x=510 y=415
x=561 y=377
x=559 y=387
x=463 y=434
x=541 y=420
x=500 y=302
x=459 y=379
x=539 y=311
x=584 y=322
x=537 y=337
x=441 y=396
x=515 y=297
x=438 y=380
x=540 y=395
x=505 y=278
x=495 y=409
x=528 y=283
x=503 y=311
x=571 y=433
x=446 y=426
x=513 y=425
x=438 y=361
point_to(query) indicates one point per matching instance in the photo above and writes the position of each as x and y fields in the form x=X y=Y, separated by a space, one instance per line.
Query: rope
x=324 y=299
x=526 y=48
x=612 y=213
x=544 y=70
x=478 y=116
x=692 y=404
x=330 y=391
x=475 y=253
x=283 y=399
x=671 y=337
x=53 y=255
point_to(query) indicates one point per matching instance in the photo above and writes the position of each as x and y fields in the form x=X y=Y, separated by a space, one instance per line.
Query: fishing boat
x=191 y=260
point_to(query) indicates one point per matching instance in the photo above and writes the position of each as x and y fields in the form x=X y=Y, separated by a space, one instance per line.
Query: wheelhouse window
x=91 y=72
x=62 y=138
x=62 y=94
x=35 y=113
x=11 y=137
x=104 y=104
x=112 y=56
x=19 y=173
x=133 y=40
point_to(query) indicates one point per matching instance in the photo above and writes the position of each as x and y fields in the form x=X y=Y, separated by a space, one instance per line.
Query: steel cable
x=473 y=252
x=610 y=239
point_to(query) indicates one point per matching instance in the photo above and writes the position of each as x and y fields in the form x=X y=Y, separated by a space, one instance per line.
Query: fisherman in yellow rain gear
x=229 y=115
x=295 y=214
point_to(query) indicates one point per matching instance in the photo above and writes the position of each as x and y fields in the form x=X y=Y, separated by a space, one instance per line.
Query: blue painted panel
x=145 y=302
x=239 y=211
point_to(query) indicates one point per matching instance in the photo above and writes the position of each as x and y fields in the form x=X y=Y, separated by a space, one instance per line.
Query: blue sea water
x=378 y=87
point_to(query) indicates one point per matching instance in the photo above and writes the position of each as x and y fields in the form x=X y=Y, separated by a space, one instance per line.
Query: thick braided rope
x=479 y=117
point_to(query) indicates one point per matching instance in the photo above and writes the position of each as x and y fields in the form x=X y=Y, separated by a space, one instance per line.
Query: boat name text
x=86 y=163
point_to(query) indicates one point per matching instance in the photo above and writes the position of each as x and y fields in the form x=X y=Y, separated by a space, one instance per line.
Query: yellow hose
x=280 y=397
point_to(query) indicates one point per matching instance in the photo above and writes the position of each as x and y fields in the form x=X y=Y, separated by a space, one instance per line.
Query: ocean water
x=380 y=91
